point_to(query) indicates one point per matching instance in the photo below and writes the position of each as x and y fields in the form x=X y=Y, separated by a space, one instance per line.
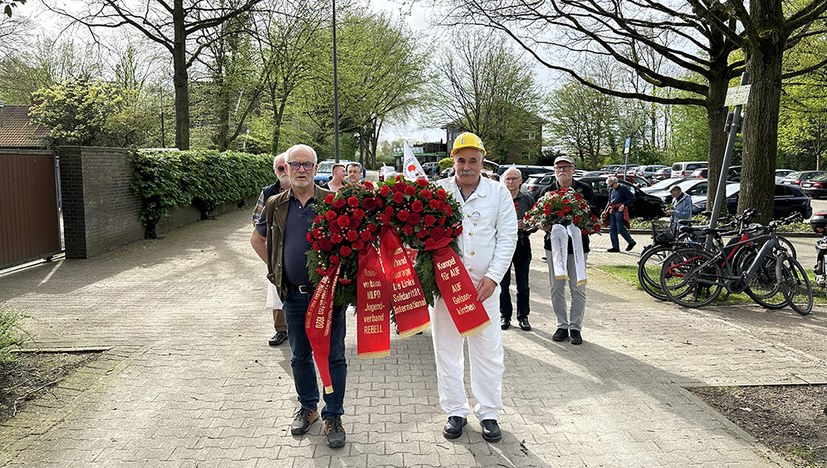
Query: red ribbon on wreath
x=373 y=337
x=318 y=322
x=407 y=297
x=457 y=289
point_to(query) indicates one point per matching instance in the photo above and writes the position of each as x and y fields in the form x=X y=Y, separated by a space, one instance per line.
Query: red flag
x=407 y=297
x=318 y=323
x=373 y=338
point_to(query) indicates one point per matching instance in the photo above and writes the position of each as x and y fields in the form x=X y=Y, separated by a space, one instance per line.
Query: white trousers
x=485 y=352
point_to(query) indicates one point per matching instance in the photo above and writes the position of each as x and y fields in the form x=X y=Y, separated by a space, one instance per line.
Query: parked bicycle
x=693 y=276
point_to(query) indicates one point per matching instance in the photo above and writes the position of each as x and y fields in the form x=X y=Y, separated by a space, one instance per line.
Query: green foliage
x=690 y=134
x=170 y=179
x=12 y=336
x=82 y=112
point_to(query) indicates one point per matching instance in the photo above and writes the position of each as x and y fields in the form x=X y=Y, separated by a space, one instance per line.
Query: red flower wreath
x=426 y=217
x=564 y=206
x=346 y=222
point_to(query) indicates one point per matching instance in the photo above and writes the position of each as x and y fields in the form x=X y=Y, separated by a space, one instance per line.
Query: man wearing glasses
x=512 y=178
x=281 y=240
x=569 y=321
x=273 y=300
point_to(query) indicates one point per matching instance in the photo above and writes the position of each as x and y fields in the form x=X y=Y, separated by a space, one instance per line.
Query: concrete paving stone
x=386 y=459
x=625 y=380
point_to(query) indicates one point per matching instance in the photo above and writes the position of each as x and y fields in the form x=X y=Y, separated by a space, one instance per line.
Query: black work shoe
x=453 y=428
x=505 y=324
x=524 y=325
x=560 y=335
x=302 y=420
x=614 y=249
x=335 y=432
x=631 y=246
x=278 y=338
x=491 y=430
x=575 y=337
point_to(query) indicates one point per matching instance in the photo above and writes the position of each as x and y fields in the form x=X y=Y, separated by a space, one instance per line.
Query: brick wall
x=100 y=211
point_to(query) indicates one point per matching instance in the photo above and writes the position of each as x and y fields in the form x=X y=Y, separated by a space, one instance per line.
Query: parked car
x=593 y=174
x=662 y=174
x=733 y=173
x=664 y=184
x=788 y=199
x=538 y=184
x=431 y=169
x=796 y=178
x=525 y=170
x=700 y=173
x=645 y=205
x=683 y=169
x=815 y=187
x=781 y=173
x=696 y=188
x=325 y=169
x=388 y=172
x=631 y=169
x=648 y=172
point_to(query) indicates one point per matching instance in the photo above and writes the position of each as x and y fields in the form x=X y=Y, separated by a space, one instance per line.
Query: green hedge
x=165 y=180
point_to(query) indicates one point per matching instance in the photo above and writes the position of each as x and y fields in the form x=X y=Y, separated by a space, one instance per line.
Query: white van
x=683 y=169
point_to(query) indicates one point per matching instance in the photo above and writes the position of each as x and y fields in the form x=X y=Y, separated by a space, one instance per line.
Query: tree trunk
x=761 y=124
x=180 y=78
x=223 y=130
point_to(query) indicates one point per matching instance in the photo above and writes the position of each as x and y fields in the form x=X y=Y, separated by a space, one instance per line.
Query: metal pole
x=335 y=92
x=720 y=192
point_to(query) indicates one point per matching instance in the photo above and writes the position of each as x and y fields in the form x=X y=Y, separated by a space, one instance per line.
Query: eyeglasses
x=281 y=168
x=513 y=178
x=563 y=168
x=307 y=165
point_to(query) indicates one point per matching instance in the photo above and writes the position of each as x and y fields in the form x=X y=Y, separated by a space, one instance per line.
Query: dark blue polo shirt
x=299 y=220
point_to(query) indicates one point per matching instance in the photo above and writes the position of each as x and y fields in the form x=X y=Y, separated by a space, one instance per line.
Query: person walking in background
x=569 y=321
x=521 y=261
x=354 y=173
x=273 y=301
x=283 y=227
x=487 y=242
x=337 y=179
x=617 y=210
x=681 y=205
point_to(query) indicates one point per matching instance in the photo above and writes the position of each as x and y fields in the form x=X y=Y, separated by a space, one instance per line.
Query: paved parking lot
x=188 y=378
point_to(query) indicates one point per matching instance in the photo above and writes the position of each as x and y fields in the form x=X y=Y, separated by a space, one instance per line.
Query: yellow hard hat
x=467 y=140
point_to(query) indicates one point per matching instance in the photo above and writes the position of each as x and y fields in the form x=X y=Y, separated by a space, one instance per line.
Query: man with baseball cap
x=569 y=321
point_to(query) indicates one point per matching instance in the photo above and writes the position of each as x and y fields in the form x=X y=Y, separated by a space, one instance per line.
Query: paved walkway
x=189 y=380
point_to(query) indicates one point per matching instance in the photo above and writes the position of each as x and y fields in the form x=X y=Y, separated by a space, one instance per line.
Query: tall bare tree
x=489 y=89
x=767 y=29
x=665 y=44
x=172 y=24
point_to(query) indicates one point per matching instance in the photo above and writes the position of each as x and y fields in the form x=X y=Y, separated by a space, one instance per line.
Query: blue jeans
x=522 y=263
x=304 y=369
x=616 y=225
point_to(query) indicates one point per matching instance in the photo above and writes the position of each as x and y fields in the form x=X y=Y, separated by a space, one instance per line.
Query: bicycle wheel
x=648 y=270
x=795 y=284
x=689 y=279
x=788 y=246
x=764 y=288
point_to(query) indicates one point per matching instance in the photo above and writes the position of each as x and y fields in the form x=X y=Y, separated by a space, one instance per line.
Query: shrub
x=165 y=180
x=12 y=336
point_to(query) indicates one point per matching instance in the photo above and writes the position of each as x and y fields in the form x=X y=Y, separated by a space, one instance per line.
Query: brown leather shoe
x=335 y=432
x=302 y=420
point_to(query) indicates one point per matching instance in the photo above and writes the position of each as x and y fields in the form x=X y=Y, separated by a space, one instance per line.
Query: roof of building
x=17 y=132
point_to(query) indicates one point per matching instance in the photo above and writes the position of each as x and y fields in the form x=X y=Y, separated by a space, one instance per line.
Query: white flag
x=411 y=168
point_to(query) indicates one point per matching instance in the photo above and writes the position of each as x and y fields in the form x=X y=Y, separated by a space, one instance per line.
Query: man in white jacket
x=487 y=244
